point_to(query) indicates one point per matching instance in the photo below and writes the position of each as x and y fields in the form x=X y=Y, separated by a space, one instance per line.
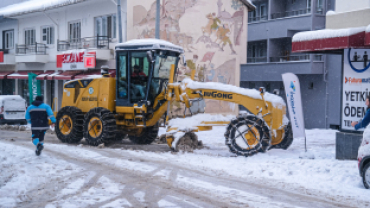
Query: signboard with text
x=356 y=86
x=74 y=60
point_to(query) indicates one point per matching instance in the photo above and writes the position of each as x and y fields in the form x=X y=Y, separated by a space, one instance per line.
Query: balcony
x=290 y=13
x=256 y=60
x=99 y=44
x=290 y=58
x=33 y=53
x=257 y=19
x=6 y=58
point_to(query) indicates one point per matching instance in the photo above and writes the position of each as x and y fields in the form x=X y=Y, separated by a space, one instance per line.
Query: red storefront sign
x=74 y=60
x=89 y=62
x=1 y=56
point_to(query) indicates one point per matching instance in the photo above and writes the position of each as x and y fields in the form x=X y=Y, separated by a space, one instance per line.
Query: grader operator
x=133 y=102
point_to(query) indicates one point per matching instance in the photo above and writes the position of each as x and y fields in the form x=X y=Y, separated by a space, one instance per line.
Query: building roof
x=249 y=4
x=35 y=6
x=149 y=44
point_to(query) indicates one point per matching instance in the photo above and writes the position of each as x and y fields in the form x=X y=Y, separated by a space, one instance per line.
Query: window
x=8 y=39
x=106 y=26
x=30 y=36
x=320 y=6
x=263 y=11
x=74 y=32
x=47 y=35
x=122 y=82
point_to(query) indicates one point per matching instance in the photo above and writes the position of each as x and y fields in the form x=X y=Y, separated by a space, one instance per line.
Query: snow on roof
x=327 y=33
x=249 y=4
x=276 y=101
x=153 y=43
x=35 y=6
x=330 y=12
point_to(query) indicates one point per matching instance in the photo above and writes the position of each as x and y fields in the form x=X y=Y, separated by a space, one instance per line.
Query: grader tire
x=247 y=135
x=147 y=137
x=288 y=138
x=187 y=143
x=99 y=126
x=69 y=125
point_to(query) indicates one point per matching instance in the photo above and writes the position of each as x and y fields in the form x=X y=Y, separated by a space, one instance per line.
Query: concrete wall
x=351 y=5
x=215 y=52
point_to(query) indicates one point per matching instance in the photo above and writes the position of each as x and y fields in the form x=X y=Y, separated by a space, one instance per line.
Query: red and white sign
x=74 y=60
x=1 y=56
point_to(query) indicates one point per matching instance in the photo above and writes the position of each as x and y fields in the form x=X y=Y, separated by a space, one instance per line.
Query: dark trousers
x=38 y=136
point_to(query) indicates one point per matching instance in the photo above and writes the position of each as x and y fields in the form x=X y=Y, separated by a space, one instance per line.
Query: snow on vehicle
x=12 y=109
x=364 y=158
x=104 y=108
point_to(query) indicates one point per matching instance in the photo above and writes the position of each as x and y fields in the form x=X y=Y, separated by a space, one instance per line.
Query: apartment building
x=270 y=30
x=51 y=39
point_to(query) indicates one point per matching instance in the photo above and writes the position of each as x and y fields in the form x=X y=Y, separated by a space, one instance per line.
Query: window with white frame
x=320 y=6
x=47 y=34
x=308 y=5
x=74 y=32
x=8 y=39
x=30 y=36
x=106 y=26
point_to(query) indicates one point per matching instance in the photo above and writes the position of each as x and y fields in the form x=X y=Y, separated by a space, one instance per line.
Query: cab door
x=122 y=92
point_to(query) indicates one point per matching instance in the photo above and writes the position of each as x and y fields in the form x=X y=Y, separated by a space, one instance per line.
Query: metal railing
x=6 y=51
x=37 y=48
x=318 y=57
x=256 y=59
x=290 y=58
x=99 y=42
x=257 y=19
x=319 y=10
x=290 y=13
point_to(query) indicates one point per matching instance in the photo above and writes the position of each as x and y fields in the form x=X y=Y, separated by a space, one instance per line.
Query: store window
x=48 y=35
x=7 y=87
x=106 y=26
x=8 y=40
x=30 y=36
x=23 y=89
x=74 y=32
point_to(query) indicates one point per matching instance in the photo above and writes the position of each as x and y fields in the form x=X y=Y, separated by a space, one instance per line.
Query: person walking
x=366 y=120
x=38 y=115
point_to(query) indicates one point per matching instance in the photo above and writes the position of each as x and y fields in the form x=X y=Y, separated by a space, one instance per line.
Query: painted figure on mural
x=222 y=36
x=191 y=65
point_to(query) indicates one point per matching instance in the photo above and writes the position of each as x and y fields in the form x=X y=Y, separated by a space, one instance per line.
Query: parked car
x=364 y=158
x=12 y=109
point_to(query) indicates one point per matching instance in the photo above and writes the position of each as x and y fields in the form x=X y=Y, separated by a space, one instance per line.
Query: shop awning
x=44 y=75
x=329 y=40
x=4 y=74
x=22 y=74
x=66 y=75
x=91 y=74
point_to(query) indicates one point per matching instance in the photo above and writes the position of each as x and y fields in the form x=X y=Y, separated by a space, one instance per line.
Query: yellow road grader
x=105 y=109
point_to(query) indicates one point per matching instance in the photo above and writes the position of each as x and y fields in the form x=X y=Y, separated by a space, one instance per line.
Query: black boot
x=39 y=148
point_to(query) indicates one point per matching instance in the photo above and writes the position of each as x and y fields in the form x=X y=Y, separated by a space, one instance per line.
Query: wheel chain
x=261 y=147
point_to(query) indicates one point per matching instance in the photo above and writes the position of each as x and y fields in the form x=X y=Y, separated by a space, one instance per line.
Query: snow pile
x=330 y=12
x=364 y=149
x=35 y=6
x=276 y=101
x=327 y=33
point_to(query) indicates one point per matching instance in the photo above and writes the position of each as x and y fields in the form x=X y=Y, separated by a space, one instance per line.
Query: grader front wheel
x=148 y=135
x=247 y=135
x=69 y=125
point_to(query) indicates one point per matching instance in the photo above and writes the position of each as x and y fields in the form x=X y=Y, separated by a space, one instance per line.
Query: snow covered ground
x=324 y=177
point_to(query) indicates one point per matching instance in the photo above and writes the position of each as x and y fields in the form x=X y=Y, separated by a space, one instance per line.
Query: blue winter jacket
x=365 y=121
x=38 y=114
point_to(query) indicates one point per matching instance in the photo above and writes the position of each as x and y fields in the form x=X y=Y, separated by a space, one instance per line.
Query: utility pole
x=157 y=20
x=119 y=21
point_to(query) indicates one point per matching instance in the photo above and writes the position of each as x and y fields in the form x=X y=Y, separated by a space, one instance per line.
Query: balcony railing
x=257 y=19
x=5 y=51
x=32 y=49
x=290 y=58
x=99 y=42
x=320 y=10
x=256 y=59
x=318 y=58
x=290 y=13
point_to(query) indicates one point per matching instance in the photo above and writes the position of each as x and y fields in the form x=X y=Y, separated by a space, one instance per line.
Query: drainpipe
x=122 y=37
x=326 y=92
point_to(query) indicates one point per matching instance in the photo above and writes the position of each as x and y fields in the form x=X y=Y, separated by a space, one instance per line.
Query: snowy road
x=83 y=176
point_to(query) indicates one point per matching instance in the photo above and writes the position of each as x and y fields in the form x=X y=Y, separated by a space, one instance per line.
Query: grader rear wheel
x=69 y=125
x=148 y=135
x=99 y=126
x=247 y=135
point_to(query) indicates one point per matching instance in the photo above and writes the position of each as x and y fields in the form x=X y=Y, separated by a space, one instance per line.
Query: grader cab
x=105 y=109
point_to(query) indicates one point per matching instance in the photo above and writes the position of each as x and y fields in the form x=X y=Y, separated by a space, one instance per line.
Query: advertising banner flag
x=34 y=86
x=294 y=100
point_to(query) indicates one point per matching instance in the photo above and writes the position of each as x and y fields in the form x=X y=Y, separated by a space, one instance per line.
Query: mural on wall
x=212 y=33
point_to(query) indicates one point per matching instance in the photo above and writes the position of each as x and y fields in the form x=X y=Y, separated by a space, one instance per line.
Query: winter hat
x=39 y=98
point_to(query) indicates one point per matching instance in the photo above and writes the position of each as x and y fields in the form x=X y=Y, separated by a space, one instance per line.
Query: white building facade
x=52 y=39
